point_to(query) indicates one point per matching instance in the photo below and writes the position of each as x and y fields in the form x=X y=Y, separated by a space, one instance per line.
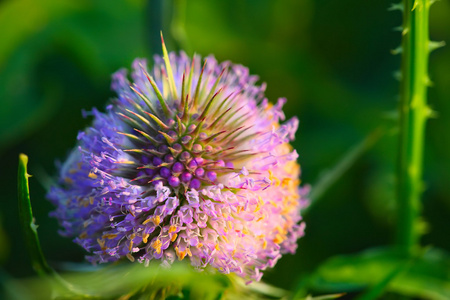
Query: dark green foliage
x=384 y=270
x=330 y=59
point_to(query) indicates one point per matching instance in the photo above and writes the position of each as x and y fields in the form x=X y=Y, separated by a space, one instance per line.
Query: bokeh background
x=331 y=59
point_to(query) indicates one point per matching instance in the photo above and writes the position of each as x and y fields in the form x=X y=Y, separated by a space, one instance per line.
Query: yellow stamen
x=278 y=239
x=172 y=228
x=180 y=254
x=101 y=243
x=286 y=181
x=280 y=230
x=92 y=175
x=225 y=238
x=128 y=162
x=145 y=238
x=109 y=236
x=130 y=246
x=156 y=220
x=259 y=204
x=174 y=237
x=157 y=246
x=130 y=257
x=273 y=178
x=269 y=106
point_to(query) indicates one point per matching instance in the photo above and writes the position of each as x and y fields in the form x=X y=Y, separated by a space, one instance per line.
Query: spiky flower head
x=189 y=161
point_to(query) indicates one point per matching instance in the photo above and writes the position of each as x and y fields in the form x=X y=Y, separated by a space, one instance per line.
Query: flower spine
x=188 y=162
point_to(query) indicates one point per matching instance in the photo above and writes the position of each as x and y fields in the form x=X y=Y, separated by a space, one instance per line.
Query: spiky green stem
x=413 y=115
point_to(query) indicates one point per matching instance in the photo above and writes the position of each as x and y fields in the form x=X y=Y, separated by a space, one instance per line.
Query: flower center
x=179 y=154
x=188 y=141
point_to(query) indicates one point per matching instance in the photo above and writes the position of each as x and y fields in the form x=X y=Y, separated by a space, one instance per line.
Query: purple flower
x=189 y=161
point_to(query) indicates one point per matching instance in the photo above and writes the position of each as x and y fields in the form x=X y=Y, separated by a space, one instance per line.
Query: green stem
x=413 y=115
x=27 y=221
x=60 y=286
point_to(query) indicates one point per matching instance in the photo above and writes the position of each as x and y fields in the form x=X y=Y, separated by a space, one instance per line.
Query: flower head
x=190 y=161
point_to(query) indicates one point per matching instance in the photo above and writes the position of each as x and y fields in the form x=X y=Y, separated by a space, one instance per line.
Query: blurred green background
x=331 y=59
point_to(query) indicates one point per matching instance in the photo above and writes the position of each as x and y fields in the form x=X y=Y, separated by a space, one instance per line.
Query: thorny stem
x=413 y=112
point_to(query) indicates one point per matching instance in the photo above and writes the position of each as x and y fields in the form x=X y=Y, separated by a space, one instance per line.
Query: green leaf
x=324 y=297
x=12 y=290
x=135 y=281
x=378 y=289
x=426 y=276
x=330 y=177
x=256 y=289
x=26 y=219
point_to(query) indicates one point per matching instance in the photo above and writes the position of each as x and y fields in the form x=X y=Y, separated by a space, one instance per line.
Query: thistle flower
x=189 y=161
